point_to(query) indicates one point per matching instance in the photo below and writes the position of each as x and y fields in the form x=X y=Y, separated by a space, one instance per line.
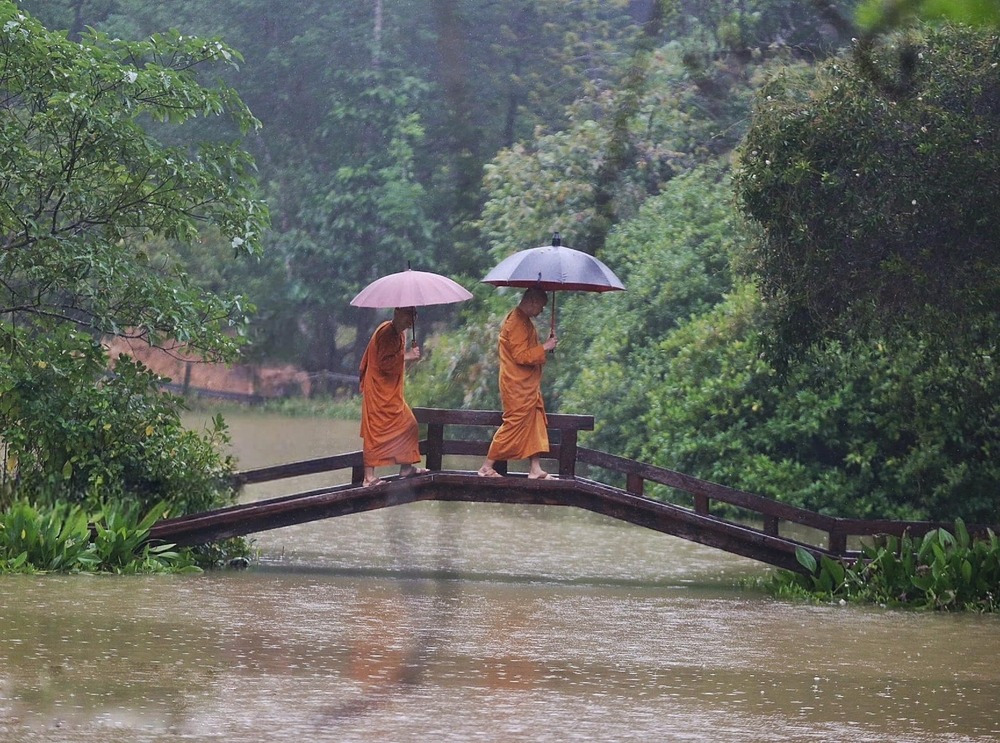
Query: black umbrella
x=554 y=268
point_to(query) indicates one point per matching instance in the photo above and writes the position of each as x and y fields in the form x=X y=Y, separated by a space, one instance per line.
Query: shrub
x=72 y=433
x=63 y=538
x=941 y=571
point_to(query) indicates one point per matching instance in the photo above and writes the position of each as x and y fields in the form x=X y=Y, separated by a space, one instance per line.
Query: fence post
x=435 y=446
x=837 y=542
x=567 y=453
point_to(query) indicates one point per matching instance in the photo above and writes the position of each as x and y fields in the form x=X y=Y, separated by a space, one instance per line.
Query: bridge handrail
x=557 y=421
x=435 y=446
x=837 y=529
x=566 y=451
x=306 y=467
x=703 y=490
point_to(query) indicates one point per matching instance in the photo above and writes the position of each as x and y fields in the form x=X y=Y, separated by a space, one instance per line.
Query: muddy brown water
x=473 y=622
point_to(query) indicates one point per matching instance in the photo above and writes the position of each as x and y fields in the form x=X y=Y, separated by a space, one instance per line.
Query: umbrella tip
x=556 y=238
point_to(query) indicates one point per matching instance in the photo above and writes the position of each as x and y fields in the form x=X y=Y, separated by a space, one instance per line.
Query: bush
x=938 y=571
x=63 y=538
x=72 y=433
x=902 y=427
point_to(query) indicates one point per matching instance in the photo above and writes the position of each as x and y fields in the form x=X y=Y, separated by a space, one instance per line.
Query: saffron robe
x=523 y=432
x=389 y=431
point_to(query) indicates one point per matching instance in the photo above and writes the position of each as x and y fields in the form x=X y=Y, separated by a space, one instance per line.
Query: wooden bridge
x=697 y=510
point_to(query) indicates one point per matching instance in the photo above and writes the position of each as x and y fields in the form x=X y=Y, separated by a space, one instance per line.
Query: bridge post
x=435 y=446
x=567 y=453
x=837 y=541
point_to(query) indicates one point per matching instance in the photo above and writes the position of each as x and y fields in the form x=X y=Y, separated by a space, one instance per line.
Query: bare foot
x=488 y=472
x=373 y=483
x=412 y=471
x=541 y=476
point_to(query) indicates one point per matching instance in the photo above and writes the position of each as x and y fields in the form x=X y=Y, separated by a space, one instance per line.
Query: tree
x=566 y=181
x=673 y=259
x=876 y=203
x=84 y=185
x=377 y=120
x=85 y=190
x=869 y=184
x=890 y=428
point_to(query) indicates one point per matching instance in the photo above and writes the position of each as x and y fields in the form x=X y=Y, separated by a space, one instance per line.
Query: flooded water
x=474 y=622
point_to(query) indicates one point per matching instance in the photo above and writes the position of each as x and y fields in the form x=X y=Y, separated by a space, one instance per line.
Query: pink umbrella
x=411 y=288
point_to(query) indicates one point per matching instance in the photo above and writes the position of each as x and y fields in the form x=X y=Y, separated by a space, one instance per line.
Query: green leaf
x=805 y=559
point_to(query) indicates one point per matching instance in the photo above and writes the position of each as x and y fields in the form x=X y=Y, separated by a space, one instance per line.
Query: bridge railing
x=565 y=449
x=350 y=460
x=703 y=492
x=563 y=430
x=771 y=512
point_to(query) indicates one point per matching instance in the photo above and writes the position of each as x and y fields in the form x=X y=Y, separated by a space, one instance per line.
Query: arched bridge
x=697 y=510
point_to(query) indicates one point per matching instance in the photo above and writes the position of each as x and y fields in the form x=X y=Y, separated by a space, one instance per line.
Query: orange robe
x=389 y=430
x=523 y=432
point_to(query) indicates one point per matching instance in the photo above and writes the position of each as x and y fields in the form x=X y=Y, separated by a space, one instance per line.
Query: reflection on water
x=460 y=622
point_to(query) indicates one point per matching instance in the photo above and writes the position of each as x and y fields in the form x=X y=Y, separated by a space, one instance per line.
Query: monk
x=523 y=434
x=389 y=431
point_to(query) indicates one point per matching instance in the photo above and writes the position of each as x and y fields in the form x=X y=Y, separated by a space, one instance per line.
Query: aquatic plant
x=941 y=570
x=63 y=538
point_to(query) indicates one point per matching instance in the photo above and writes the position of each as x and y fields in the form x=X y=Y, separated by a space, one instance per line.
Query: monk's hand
x=412 y=353
x=550 y=343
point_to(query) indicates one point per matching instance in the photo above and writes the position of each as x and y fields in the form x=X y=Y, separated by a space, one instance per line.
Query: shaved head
x=534 y=294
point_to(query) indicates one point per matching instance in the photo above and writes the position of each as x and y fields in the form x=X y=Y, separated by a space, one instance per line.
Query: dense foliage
x=377 y=120
x=892 y=417
x=673 y=259
x=821 y=338
x=84 y=184
x=867 y=429
x=863 y=176
x=77 y=435
x=85 y=187
x=877 y=264
x=942 y=570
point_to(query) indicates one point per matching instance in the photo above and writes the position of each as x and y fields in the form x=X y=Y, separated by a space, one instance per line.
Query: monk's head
x=404 y=317
x=533 y=301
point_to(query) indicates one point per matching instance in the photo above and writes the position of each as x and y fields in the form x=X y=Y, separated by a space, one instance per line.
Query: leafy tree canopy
x=902 y=427
x=88 y=197
x=83 y=185
x=869 y=194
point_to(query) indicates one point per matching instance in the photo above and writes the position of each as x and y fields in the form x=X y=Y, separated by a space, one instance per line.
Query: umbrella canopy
x=554 y=267
x=411 y=288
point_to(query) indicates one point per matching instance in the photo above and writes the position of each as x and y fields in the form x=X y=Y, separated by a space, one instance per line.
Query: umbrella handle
x=552 y=324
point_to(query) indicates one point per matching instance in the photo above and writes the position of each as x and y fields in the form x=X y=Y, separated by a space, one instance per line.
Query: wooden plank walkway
x=745 y=524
